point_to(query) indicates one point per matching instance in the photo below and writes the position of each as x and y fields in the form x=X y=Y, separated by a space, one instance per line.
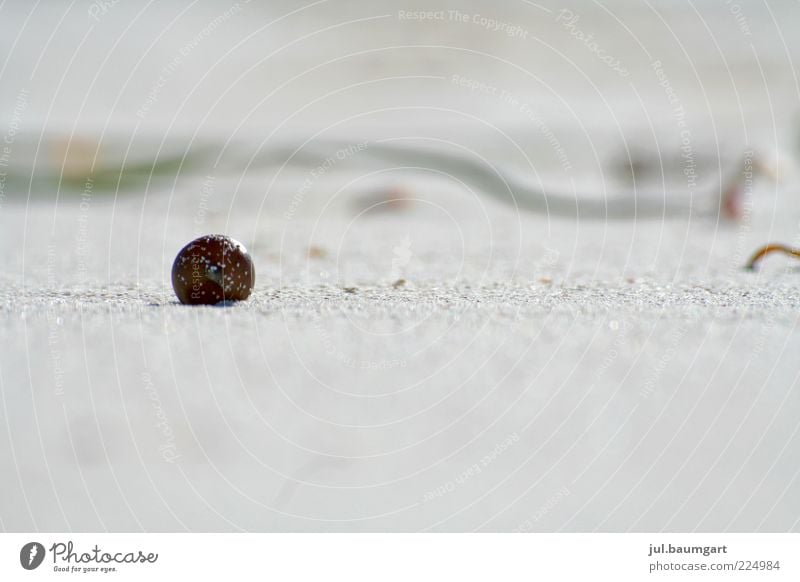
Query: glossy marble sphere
x=211 y=269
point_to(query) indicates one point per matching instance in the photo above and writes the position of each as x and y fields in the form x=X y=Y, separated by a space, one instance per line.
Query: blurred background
x=99 y=81
x=429 y=345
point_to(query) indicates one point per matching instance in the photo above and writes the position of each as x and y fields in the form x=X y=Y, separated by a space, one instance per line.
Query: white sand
x=628 y=376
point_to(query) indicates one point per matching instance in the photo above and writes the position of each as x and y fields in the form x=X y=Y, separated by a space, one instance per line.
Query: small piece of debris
x=771 y=248
x=315 y=252
x=349 y=289
x=546 y=280
x=399 y=283
x=391 y=199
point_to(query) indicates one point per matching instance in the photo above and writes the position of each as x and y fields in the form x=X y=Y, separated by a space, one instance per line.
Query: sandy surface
x=530 y=374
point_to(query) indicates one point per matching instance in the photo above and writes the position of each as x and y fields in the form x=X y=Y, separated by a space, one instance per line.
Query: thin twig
x=771 y=248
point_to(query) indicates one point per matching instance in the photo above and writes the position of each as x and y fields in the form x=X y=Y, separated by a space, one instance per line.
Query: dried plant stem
x=771 y=248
